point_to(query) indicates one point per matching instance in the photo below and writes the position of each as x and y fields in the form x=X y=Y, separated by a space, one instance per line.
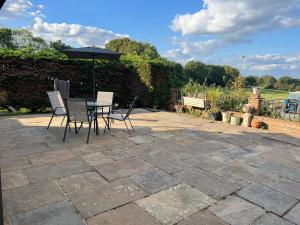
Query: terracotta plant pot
x=256 y=124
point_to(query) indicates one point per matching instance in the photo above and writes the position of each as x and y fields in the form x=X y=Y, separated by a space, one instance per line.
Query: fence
x=277 y=109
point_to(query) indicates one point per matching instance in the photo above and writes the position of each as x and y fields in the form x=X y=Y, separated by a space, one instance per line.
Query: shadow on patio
x=176 y=169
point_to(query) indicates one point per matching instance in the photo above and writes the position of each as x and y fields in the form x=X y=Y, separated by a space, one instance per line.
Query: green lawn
x=271 y=94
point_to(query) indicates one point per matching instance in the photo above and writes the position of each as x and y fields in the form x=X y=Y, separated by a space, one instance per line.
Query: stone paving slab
x=164 y=161
x=50 y=157
x=145 y=139
x=267 y=198
x=124 y=168
x=80 y=181
x=57 y=170
x=245 y=175
x=294 y=214
x=155 y=180
x=211 y=184
x=101 y=198
x=163 y=135
x=120 y=153
x=286 y=186
x=30 y=196
x=14 y=163
x=175 y=204
x=25 y=150
x=276 y=168
x=61 y=213
x=203 y=218
x=209 y=146
x=96 y=158
x=129 y=214
x=237 y=153
x=271 y=219
x=205 y=163
x=13 y=179
x=236 y=211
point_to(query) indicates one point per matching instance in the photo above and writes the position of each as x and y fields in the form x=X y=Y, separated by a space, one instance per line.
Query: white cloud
x=237 y=19
x=18 y=9
x=74 y=34
x=272 y=62
x=198 y=47
x=177 y=56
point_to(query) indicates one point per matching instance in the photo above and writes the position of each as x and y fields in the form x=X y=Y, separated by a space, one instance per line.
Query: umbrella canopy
x=92 y=53
x=1 y=3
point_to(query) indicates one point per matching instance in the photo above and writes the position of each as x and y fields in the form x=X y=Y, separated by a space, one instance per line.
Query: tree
x=251 y=81
x=267 y=81
x=239 y=83
x=286 y=83
x=131 y=47
x=20 y=38
x=6 y=38
x=230 y=73
x=216 y=75
x=198 y=71
x=59 y=45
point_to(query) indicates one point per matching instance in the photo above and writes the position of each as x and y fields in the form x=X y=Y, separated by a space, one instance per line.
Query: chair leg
x=94 y=125
x=131 y=124
x=127 y=127
x=67 y=125
x=63 y=121
x=50 y=121
x=88 y=137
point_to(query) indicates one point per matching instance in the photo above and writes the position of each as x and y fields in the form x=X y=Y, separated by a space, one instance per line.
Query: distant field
x=272 y=94
x=268 y=94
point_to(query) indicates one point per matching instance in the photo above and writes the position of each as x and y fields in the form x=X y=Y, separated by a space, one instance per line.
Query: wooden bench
x=191 y=102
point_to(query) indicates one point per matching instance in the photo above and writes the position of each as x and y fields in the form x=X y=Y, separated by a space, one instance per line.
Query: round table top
x=98 y=105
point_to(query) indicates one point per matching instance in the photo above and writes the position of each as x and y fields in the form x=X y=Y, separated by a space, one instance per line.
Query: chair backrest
x=57 y=102
x=63 y=87
x=131 y=107
x=105 y=97
x=77 y=110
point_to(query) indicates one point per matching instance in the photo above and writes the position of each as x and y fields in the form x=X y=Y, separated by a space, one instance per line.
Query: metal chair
x=58 y=107
x=77 y=112
x=105 y=98
x=120 y=117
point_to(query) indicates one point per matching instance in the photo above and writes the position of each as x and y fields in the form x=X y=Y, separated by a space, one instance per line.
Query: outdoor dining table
x=96 y=107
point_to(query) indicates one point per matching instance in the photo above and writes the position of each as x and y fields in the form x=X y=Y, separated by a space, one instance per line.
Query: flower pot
x=235 y=120
x=226 y=117
x=218 y=116
x=256 y=124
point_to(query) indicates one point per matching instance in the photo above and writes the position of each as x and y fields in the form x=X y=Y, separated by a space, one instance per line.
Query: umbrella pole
x=94 y=76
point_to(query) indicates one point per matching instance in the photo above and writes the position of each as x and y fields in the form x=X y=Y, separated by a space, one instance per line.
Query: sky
x=259 y=37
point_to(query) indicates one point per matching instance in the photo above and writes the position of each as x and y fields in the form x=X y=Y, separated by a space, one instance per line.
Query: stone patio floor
x=175 y=169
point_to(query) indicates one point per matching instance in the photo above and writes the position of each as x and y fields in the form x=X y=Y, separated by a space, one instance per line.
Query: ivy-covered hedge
x=25 y=80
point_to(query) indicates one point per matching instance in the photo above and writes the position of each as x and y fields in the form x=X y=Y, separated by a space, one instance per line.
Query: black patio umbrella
x=1 y=3
x=92 y=53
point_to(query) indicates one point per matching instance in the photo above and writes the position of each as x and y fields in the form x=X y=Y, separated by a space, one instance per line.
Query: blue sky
x=213 y=31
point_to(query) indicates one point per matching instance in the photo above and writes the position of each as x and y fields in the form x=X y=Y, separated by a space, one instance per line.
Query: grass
x=271 y=94
x=268 y=94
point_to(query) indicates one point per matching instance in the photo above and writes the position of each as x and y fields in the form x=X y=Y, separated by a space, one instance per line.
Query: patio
x=176 y=169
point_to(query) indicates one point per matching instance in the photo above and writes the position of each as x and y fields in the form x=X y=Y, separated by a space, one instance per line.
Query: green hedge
x=25 y=78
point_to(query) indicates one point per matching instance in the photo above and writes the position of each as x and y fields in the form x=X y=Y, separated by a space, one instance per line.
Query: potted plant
x=235 y=120
x=256 y=124
x=226 y=117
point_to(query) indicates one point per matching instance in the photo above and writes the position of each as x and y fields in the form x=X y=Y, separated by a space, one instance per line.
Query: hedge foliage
x=26 y=76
